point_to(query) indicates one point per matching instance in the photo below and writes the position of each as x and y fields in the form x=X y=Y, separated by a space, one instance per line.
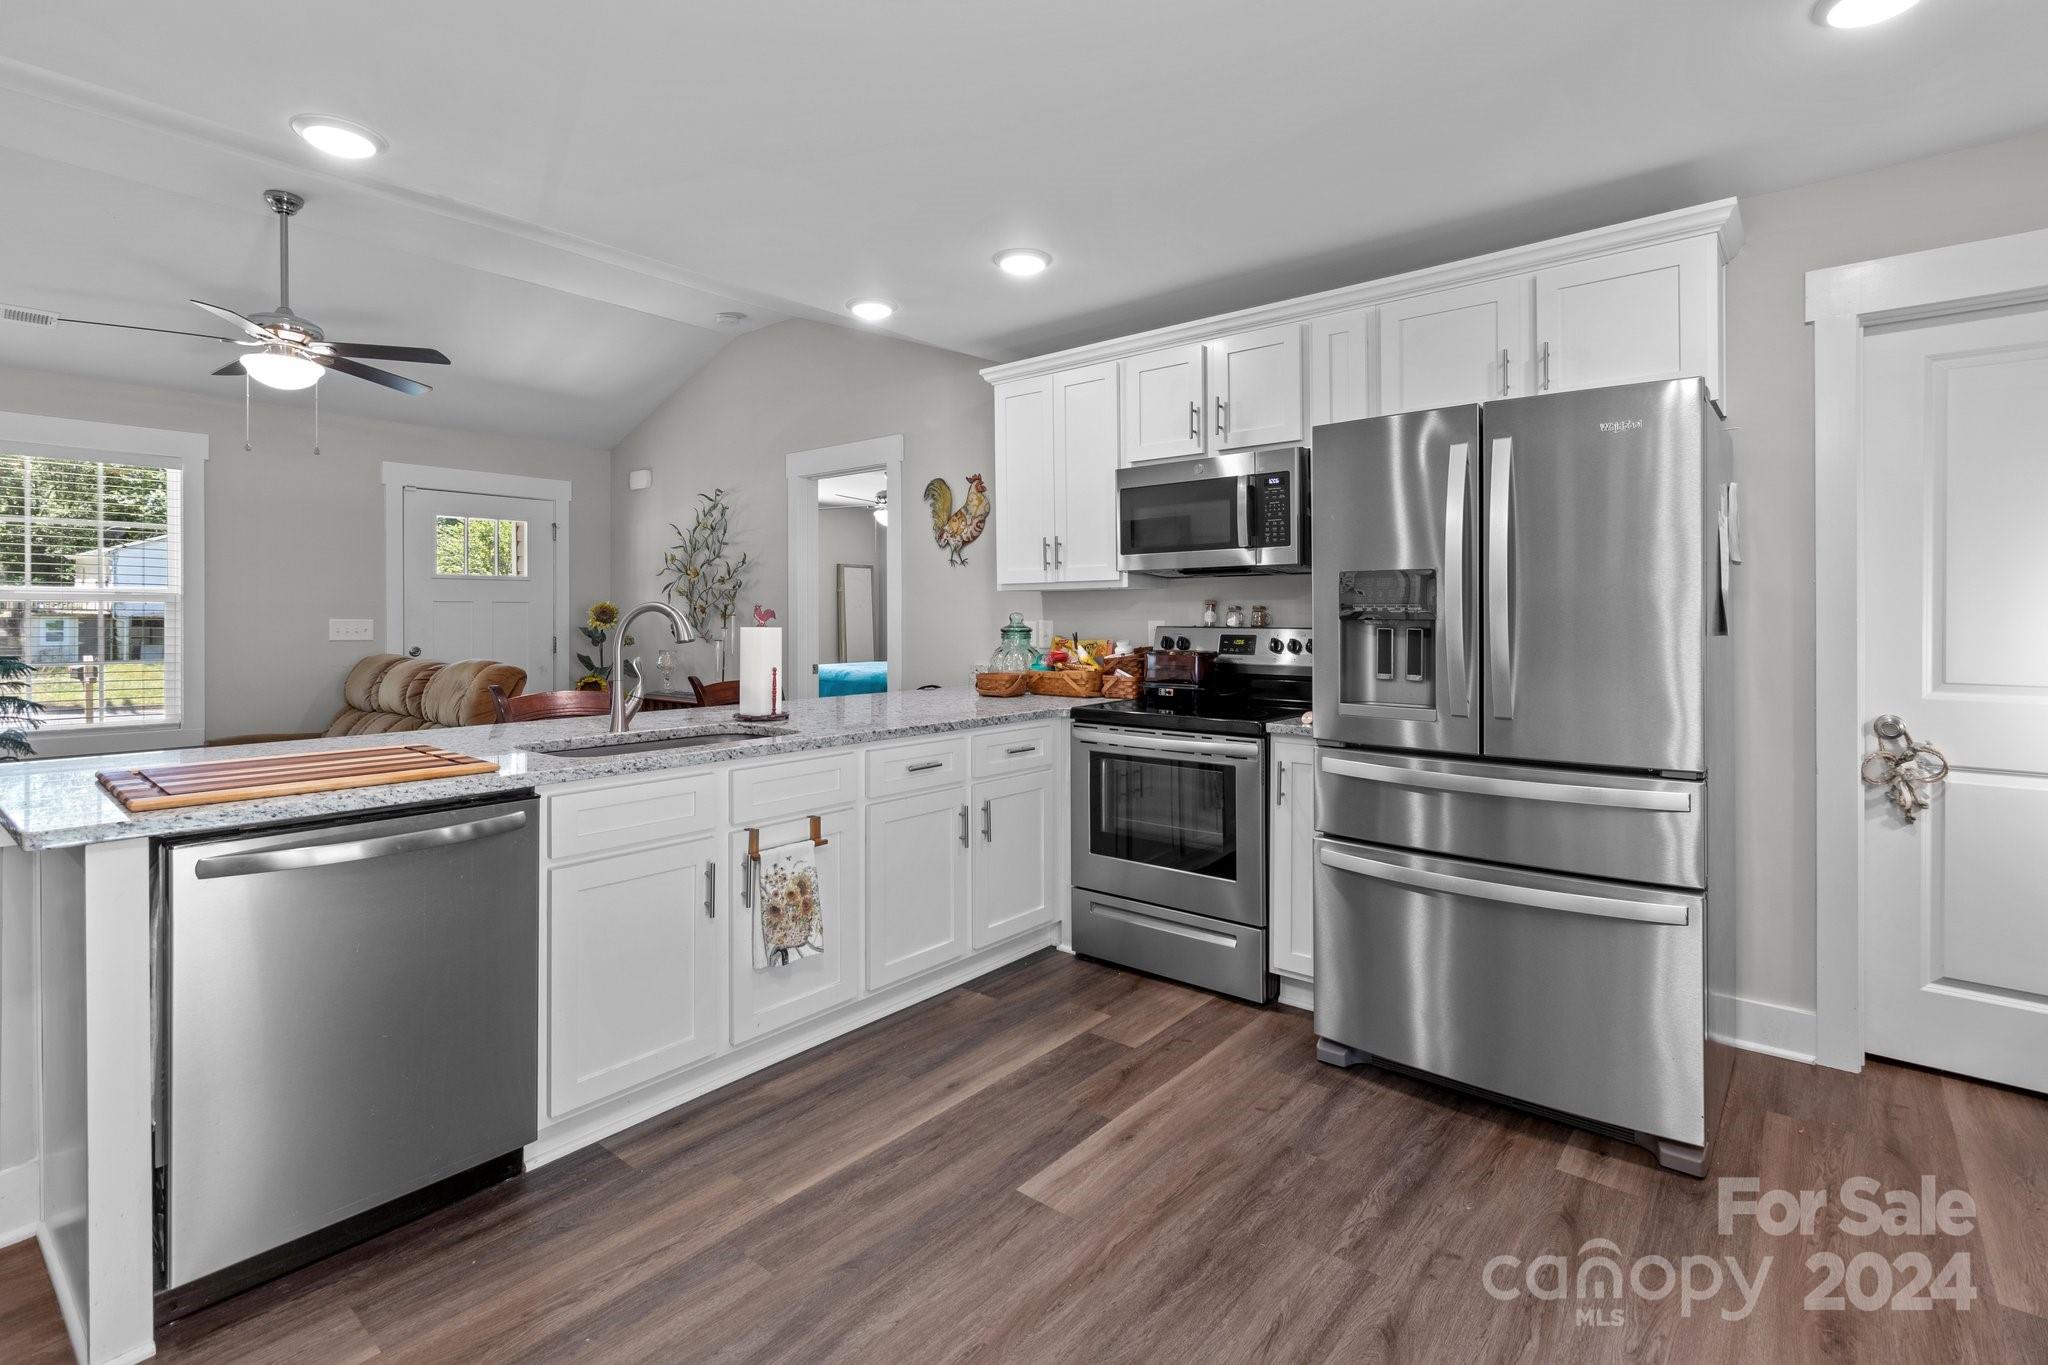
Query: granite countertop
x=57 y=803
x=1289 y=727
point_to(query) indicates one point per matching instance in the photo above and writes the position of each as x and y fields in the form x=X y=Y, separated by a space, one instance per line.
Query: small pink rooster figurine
x=763 y=615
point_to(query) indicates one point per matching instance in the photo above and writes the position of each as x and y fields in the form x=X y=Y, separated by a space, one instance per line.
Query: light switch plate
x=351 y=628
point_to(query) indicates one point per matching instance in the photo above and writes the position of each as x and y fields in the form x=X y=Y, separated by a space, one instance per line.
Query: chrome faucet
x=623 y=710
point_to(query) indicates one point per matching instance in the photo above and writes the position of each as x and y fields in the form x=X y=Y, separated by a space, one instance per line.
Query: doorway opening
x=845 y=628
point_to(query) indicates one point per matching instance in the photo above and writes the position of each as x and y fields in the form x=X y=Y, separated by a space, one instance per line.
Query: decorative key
x=1905 y=768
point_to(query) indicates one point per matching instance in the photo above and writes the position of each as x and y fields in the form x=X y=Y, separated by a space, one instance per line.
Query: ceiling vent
x=27 y=317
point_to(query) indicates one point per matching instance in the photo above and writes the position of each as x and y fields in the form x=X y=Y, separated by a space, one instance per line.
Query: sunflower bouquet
x=597 y=673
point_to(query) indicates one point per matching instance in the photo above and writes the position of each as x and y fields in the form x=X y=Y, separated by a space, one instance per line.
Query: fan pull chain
x=245 y=411
x=316 y=420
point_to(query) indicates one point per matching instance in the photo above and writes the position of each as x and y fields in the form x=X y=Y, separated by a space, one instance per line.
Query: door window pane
x=479 y=547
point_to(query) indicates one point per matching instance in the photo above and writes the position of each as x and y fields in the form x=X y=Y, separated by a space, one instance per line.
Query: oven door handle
x=1236 y=750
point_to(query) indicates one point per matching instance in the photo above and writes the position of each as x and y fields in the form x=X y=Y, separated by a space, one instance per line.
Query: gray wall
x=292 y=539
x=1964 y=196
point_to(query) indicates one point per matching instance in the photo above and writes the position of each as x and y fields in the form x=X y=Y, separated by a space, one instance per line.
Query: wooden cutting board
x=246 y=779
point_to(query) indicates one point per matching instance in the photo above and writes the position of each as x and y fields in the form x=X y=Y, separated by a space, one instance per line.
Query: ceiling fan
x=291 y=352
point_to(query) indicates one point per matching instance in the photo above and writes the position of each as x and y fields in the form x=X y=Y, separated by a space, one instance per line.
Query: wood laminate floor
x=1066 y=1162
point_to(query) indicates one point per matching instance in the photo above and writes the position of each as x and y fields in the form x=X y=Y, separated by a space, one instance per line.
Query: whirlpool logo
x=1631 y=424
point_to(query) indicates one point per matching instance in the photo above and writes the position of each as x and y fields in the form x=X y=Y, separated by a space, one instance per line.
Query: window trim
x=70 y=438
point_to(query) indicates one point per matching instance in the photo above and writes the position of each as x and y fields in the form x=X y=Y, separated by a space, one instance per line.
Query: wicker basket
x=1001 y=684
x=1120 y=686
x=1067 y=682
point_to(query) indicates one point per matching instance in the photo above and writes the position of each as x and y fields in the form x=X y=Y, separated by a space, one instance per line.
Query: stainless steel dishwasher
x=346 y=1015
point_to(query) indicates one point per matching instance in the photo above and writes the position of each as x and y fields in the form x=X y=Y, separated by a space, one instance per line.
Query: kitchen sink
x=698 y=739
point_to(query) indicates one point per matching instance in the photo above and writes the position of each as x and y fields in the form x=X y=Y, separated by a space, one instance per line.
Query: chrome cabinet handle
x=1500 y=643
x=1503 y=371
x=964 y=840
x=1506 y=893
x=1058 y=553
x=1221 y=407
x=297 y=857
x=1280 y=790
x=1194 y=421
x=1543 y=366
x=1045 y=552
x=926 y=766
x=1022 y=749
x=988 y=822
x=711 y=890
x=747 y=882
x=1455 y=666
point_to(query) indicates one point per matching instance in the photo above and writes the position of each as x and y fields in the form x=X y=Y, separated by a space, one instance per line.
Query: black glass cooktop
x=1225 y=714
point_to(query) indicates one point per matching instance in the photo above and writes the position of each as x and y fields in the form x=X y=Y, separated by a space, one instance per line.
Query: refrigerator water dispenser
x=1388 y=630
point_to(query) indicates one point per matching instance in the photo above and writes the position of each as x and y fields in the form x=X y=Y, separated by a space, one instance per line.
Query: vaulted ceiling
x=572 y=192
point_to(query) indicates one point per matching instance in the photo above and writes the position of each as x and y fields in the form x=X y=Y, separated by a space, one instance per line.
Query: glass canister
x=1014 y=654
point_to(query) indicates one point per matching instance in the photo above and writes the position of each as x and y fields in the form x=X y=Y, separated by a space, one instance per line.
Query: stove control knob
x=1311 y=646
x=1166 y=642
x=1274 y=644
x=1180 y=642
x=1294 y=646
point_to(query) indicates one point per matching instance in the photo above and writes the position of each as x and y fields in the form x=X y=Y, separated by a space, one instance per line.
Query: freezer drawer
x=1582 y=997
x=1594 y=824
x=1214 y=954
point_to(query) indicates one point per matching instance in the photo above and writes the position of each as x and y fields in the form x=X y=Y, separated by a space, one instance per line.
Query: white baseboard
x=70 y=1304
x=616 y=1116
x=20 y=1200
x=1762 y=1026
x=1300 y=994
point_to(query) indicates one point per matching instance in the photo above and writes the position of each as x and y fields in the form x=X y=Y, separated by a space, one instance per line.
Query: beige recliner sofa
x=391 y=694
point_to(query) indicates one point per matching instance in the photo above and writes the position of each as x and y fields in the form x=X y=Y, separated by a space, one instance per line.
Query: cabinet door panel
x=776 y=997
x=633 y=970
x=1163 y=404
x=1024 y=491
x=1085 y=441
x=1445 y=349
x=917 y=884
x=1013 y=857
x=1290 y=864
x=1340 y=368
x=1255 y=387
x=1653 y=313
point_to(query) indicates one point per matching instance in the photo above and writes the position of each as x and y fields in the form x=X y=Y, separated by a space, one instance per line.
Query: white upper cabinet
x=1024 y=483
x=1085 y=439
x=1256 y=395
x=1340 y=367
x=1463 y=345
x=1164 y=399
x=1651 y=313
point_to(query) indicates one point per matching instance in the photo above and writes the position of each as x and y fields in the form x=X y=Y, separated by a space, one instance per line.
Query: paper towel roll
x=760 y=670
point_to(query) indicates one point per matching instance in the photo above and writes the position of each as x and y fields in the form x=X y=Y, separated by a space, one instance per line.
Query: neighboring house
x=63 y=632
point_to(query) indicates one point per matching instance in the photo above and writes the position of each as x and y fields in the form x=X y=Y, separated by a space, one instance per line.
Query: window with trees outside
x=91 y=569
x=479 y=547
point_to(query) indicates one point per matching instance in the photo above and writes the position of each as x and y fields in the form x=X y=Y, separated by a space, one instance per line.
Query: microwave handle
x=1455 y=664
x=1244 y=513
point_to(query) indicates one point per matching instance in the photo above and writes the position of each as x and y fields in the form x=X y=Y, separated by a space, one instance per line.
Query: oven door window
x=1164 y=812
x=1169 y=518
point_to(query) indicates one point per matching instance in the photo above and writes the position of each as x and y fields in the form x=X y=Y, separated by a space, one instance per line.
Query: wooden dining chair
x=715 y=694
x=550 y=705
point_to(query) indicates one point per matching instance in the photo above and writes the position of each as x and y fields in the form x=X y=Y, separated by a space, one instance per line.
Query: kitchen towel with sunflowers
x=789 y=913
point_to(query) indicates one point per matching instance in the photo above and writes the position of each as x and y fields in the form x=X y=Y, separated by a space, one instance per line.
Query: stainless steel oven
x=1244 y=512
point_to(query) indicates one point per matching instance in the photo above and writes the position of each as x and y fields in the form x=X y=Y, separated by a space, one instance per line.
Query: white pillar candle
x=760 y=670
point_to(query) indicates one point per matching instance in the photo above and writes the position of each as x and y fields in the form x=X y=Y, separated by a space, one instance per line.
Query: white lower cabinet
x=763 y=1001
x=634 y=960
x=1290 y=858
x=917 y=884
x=1013 y=856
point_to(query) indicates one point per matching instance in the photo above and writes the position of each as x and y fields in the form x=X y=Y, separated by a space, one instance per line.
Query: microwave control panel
x=1272 y=509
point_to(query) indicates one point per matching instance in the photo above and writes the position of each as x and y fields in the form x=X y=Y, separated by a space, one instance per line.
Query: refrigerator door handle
x=1539 y=898
x=1571 y=793
x=1500 y=643
x=1456 y=670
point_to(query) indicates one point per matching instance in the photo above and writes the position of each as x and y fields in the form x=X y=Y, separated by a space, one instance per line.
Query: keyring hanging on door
x=1907 y=769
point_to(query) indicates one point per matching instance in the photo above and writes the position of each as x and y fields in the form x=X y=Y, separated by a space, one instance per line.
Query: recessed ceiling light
x=1859 y=13
x=1022 y=260
x=870 y=310
x=338 y=137
x=728 y=319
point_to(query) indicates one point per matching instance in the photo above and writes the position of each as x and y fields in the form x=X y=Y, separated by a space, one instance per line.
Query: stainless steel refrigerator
x=1522 y=707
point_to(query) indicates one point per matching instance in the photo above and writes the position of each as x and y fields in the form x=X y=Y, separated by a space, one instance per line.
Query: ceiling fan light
x=277 y=368
x=1860 y=13
x=338 y=137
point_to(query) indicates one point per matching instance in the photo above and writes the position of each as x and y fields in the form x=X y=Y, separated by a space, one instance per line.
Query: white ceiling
x=572 y=190
x=853 y=490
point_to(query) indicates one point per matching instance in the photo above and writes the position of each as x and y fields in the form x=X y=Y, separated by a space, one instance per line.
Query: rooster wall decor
x=955 y=530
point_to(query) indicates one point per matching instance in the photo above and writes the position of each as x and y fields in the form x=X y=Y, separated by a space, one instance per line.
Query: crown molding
x=1722 y=218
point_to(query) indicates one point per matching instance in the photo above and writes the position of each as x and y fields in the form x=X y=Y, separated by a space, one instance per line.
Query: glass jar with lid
x=1014 y=654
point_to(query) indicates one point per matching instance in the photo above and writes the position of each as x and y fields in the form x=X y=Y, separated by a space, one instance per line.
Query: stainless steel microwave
x=1242 y=512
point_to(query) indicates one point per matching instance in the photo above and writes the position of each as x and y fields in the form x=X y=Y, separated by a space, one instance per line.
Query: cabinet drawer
x=917 y=767
x=603 y=818
x=803 y=786
x=1013 y=749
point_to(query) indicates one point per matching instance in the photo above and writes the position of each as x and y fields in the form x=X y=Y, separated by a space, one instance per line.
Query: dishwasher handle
x=334 y=851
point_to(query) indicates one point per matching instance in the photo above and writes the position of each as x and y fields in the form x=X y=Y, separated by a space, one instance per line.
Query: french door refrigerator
x=1522 y=707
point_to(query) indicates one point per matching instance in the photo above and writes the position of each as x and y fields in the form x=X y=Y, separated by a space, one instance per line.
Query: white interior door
x=1955 y=586
x=480 y=580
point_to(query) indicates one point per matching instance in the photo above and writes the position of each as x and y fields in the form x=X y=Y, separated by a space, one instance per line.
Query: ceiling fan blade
x=229 y=315
x=357 y=350
x=233 y=367
x=374 y=375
